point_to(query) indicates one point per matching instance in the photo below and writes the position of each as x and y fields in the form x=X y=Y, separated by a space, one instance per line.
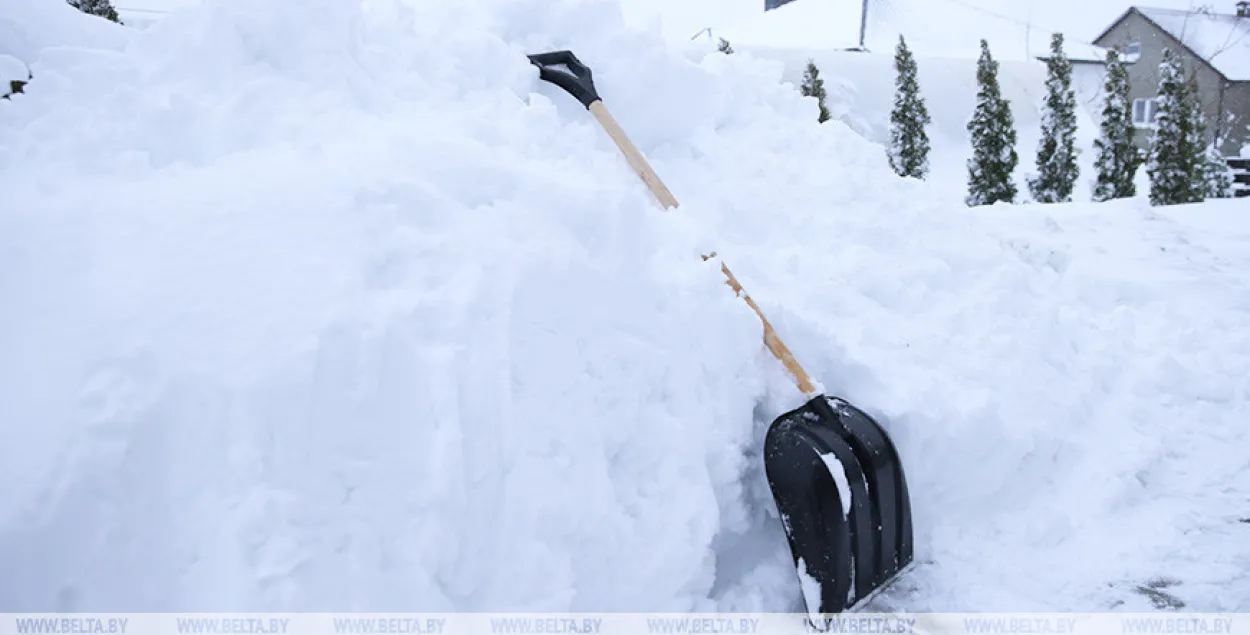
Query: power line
x=1027 y=25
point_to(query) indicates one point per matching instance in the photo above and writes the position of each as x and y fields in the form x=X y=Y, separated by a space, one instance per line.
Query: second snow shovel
x=834 y=473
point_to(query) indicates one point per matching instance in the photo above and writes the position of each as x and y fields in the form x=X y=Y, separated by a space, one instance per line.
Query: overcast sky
x=1078 y=19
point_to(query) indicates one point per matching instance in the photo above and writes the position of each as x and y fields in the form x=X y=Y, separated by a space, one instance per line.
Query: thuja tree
x=1117 y=160
x=1212 y=175
x=909 y=144
x=1217 y=176
x=992 y=127
x=1056 y=153
x=1173 y=163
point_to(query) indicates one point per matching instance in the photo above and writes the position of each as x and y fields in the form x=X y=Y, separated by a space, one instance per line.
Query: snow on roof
x=1078 y=52
x=1222 y=40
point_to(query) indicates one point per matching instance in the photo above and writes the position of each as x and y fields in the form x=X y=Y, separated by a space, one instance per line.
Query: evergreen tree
x=101 y=8
x=1213 y=177
x=993 y=132
x=1173 y=161
x=1197 y=126
x=1057 y=170
x=1217 y=176
x=909 y=144
x=1117 y=161
x=814 y=86
x=724 y=47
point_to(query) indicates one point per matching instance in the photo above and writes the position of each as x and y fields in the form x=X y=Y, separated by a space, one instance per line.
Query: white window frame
x=1144 y=112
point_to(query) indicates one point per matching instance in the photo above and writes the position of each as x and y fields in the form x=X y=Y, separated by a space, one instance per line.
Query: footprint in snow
x=1154 y=591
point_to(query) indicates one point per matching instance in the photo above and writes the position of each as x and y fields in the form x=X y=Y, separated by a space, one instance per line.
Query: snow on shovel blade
x=839 y=485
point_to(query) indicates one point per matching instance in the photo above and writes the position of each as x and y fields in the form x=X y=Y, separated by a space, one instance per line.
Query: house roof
x=1080 y=53
x=1222 y=40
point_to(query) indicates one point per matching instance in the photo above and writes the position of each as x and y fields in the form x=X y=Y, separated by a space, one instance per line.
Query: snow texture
x=812 y=589
x=11 y=70
x=838 y=472
x=141 y=14
x=1223 y=40
x=28 y=27
x=324 y=305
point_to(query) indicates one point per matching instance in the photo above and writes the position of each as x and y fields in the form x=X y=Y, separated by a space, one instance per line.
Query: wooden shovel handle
x=771 y=339
x=648 y=176
x=632 y=155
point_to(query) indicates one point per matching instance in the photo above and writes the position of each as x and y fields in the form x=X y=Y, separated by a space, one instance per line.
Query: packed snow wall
x=328 y=305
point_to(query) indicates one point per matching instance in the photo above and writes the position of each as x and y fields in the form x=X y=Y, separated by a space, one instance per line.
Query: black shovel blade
x=838 y=482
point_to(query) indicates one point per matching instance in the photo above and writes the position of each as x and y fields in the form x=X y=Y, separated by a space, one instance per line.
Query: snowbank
x=326 y=305
x=11 y=70
x=339 y=307
x=141 y=14
x=27 y=27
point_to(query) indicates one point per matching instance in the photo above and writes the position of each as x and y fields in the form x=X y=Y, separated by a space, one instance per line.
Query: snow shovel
x=834 y=473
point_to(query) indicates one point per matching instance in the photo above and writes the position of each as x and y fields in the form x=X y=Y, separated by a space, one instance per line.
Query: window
x=1132 y=52
x=1144 y=111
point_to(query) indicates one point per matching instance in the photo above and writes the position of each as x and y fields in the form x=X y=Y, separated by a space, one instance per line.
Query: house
x=1215 y=51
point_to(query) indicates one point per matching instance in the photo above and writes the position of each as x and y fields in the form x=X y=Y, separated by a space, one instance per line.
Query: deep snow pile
x=320 y=307
x=11 y=70
x=327 y=305
x=27 y=27
x=141 y=14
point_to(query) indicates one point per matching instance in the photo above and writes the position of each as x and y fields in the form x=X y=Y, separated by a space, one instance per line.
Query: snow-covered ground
x=323 y=305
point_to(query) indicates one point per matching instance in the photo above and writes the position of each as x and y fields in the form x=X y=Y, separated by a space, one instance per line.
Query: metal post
x=1028 y=33
x=863 y=26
